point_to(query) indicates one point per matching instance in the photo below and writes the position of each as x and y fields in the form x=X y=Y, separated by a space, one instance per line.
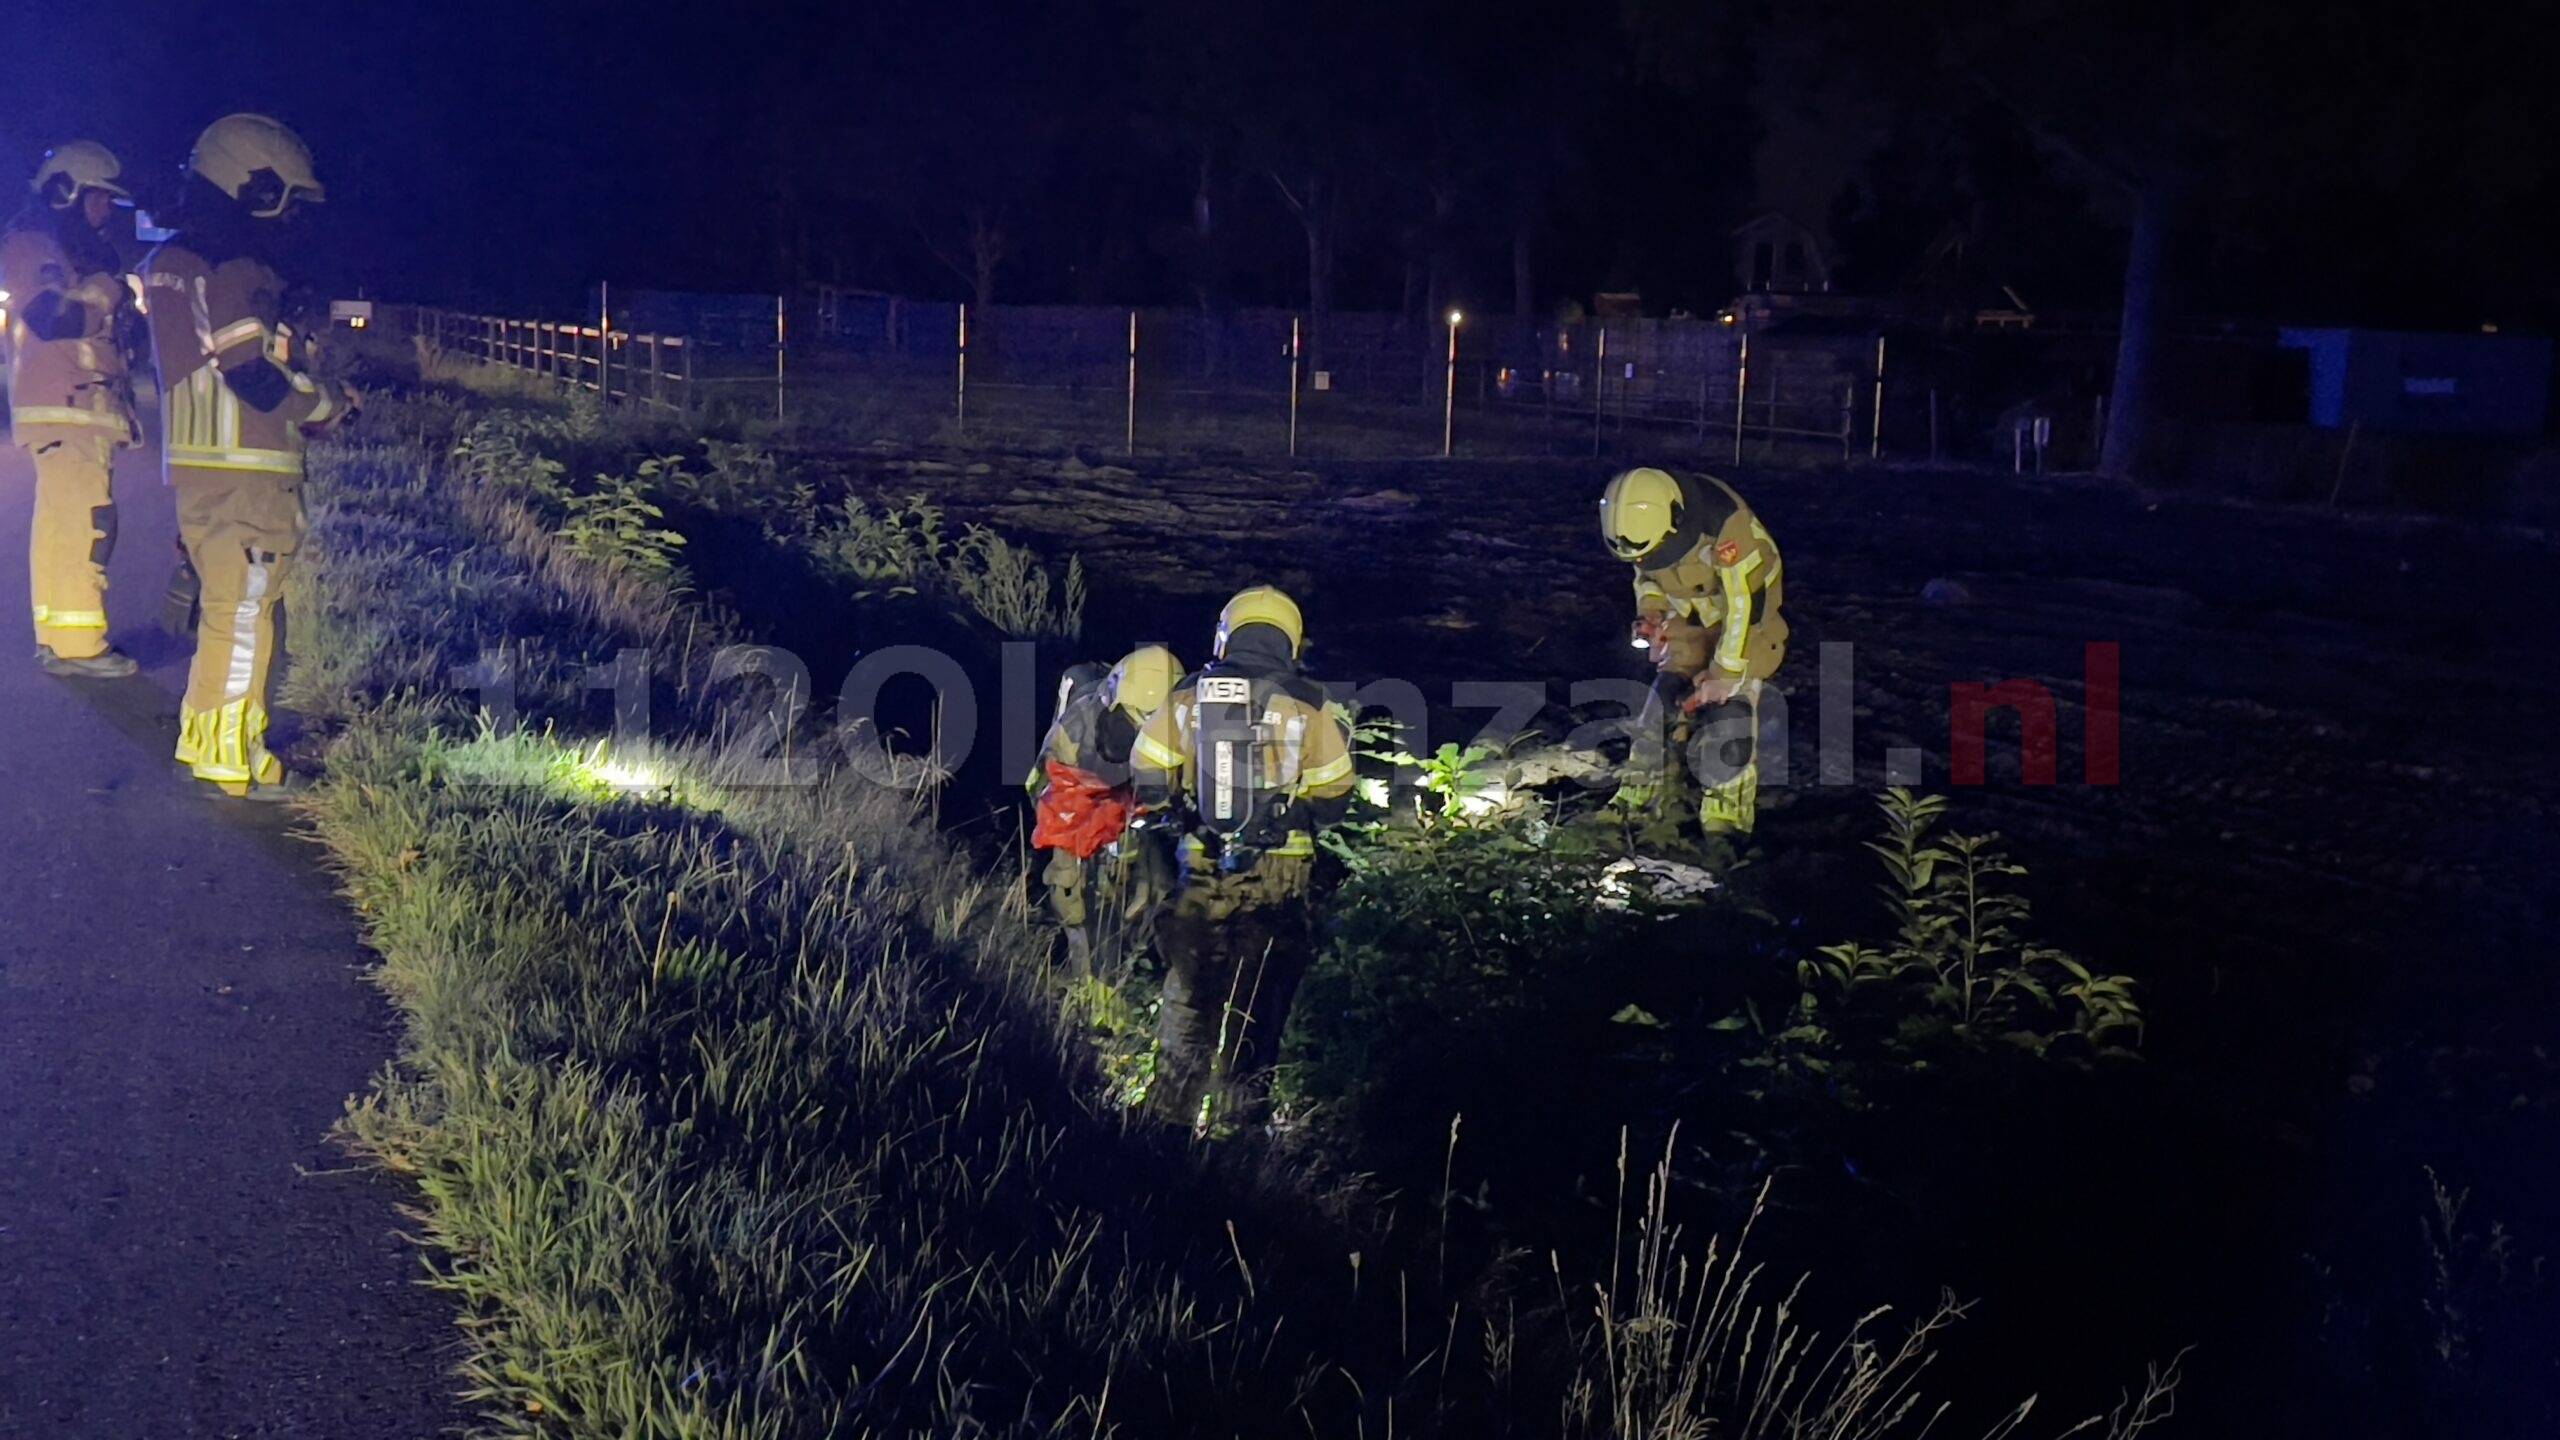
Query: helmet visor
x=1630 y=549
x=268 y=195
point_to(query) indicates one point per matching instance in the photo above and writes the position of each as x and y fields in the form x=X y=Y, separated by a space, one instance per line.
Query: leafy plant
x=903 y=548
x=896 y=549
x=616 y=525
x=1006 y=584
x=509 y=450
x=1464 y=959
x=1457 y=778
x=747 y=482
x=1960 y=961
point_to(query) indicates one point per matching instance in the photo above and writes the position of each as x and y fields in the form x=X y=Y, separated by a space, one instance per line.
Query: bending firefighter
x=70 y=402
x=1257 y=763
x=237 y=410
x=1709 y=589
x=1081 y=794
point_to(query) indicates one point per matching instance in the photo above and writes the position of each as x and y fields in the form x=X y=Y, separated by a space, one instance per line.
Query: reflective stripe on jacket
x=232 y=396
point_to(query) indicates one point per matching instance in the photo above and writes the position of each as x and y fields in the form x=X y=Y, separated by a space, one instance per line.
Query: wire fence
x=1247 y=382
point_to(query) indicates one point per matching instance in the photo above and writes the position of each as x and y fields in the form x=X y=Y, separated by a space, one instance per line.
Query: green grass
x=739 y=1111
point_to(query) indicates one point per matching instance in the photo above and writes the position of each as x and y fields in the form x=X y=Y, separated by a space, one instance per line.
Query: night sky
x=2357 y=161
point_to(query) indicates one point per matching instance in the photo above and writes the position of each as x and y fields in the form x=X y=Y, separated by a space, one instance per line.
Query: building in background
x=2486 y=386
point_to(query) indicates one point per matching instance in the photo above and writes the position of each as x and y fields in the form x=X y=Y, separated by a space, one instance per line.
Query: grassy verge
x=741 y=1110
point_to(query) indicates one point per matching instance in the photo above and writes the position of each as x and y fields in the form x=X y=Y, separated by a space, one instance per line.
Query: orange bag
x=1078 y=813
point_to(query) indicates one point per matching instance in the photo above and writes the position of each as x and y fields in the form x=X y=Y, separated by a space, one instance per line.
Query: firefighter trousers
x=1721 y=744
x=73 y=534
x=1115 y=891
x=1724 y=753
x=241 y=529
x=1235 y=946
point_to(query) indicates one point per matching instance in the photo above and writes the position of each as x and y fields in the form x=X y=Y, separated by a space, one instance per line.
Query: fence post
x=1741 y=392
x=657 y=376
x=1875 y=429
x=689 y=391
x=1449 y=404
x=964 y=369
x=604 y=363
x=1848 y=416
x=781 y=344
x=1132 y=436
x=1295 y=322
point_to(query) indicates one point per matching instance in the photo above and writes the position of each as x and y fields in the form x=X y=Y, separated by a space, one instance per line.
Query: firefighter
x=237 y=410
x=1709 y=587
x=1081 y=790
x=1256 y=763
x=70 y=403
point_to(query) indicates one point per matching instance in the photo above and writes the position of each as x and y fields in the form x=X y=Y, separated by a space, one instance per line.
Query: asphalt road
x=183 y=1014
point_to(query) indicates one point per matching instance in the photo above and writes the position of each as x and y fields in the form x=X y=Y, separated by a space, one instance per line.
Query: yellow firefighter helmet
x=1262 y=605
x=1142 y=679
x=71 y=168
x=258 y=162
x=1640 y=510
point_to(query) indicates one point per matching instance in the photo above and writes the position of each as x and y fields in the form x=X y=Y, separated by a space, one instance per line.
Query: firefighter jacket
x=233 y=394
x=1090 y=735
x=1304 y=768
x=1718 y=604
x=66 y=370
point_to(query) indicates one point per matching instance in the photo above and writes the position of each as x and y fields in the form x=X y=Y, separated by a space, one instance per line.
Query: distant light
x=357 y=323
x=1455 y=317
x=2489 y=329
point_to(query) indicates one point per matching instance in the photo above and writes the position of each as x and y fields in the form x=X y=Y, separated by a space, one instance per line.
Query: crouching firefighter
x=1709 y=588
x=1258 y=764
x=1080 y=792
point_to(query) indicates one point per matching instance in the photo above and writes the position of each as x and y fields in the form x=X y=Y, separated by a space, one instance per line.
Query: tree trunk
x=1317 y=218
x=1524 y=275
x=986 y=257
x=2132 y=409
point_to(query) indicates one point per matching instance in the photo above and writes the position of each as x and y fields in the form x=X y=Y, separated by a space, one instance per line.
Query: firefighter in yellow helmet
x=1709 y=592
x=1080 y=792
x=237 y=410
x=1255 y=762
x=70 y=403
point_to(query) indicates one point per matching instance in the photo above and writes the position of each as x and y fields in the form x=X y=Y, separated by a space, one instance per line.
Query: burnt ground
x=183 y=1014
x=2328 y=857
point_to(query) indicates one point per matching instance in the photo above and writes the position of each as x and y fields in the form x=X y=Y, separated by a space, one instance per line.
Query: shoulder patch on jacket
x=1728 y=552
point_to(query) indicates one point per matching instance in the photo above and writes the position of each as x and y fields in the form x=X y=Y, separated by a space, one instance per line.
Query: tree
x=2166 y=115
